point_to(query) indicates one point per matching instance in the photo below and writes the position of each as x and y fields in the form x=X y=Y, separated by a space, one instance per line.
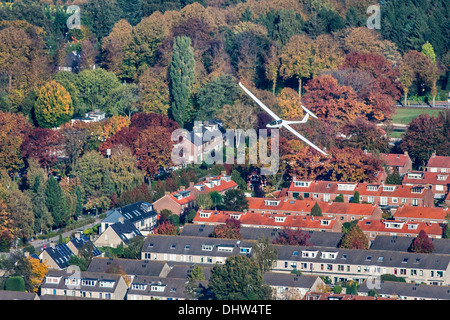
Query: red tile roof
x=265 y=220
x=435 y=178
x=304 y=206
x=433 y=229
x=332 y=187
x=438 y=162
x=413 y=212
x=394 y=160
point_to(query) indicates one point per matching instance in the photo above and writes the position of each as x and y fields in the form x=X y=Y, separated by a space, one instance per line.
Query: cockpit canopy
x=275 y=123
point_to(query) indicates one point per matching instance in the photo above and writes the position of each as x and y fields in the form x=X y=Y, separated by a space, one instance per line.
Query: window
x=372 y=188
x=88 y=282
x=245 y=250
x=106 y=284
x=394 y=200
x=388 y=188
x=207 y=247
x=280 y=219
x=225 y=248
x=138 y=286
x=415 y=202
x=384 y=201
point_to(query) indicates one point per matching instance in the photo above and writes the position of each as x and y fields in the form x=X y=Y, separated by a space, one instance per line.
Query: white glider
x=278 y=122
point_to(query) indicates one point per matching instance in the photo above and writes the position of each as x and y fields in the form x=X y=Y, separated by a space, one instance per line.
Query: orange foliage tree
x=38 y=272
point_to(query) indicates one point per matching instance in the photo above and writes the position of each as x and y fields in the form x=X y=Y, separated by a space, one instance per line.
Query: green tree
x=394 y=178
x=264 y=254
x=339 y=198
x=15 y=283
x=238 y=279
x=53 y=106
x=100 y=16
x=55 y=202
x=316 y=211
x=235 y=200
x=79 y=206
x=355 y=197
x=95 y=88
x=218 y=92
x=182 y=77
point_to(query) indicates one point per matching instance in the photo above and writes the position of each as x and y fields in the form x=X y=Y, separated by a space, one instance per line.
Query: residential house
x=193 y=249
x=84 y=284
x=79 y=241
x=288 y=286
x=342 y=212
x=373 y=228
x=407 y=291
x=184 y=198
x=57 y=256
x=92 y=116
x=395 y=243
x=421 y=214
x=116 y=234
x=317 y=238
x=438 y=182
x=330 y=296
x=17 y=295
x=397 y=162
x=206 y=139
x=438 y=164
x=140 y=214
x=269 y=220
x=386 y=196
x=157 y=288
x=341 y=264
x=129 y=268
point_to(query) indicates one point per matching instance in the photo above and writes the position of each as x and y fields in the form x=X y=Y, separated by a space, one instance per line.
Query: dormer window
x=226 y=178
x=304 y=184
x=412 y=175
x=325 y=222
x=346 y=187
x=205 y=214
x=309 y=254
x=138 y=286
x=388 y=188
x=235 y=216
x=272 y=202
x=442 y=177
x=280 y=219
x=372 y=188
x=412 y=226
x=416 y=190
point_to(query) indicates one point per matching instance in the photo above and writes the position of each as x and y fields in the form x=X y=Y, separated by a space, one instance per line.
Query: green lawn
x=406 y=115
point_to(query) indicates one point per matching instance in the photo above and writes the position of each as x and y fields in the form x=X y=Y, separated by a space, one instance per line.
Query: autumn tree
x=425 y=135
x=238 y=116
x=288 y=236
x=328 y=100
x=166 y=228
x=14 y=128
x=182 y=77
x=354 y=239
x=53 y=106
x=115 y=44
x=7 y=232
x=154 y=91
x=364 y=135
x=38 y=271
x=290 y=105
x=296 y=59
x=147 y=35
x=422 y=243
x=230 y=230
x=42 y=144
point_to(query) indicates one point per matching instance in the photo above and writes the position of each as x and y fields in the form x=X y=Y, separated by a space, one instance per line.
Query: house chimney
x=121 y=219
x=182 y=188
x=191 y=184
x=78 y=235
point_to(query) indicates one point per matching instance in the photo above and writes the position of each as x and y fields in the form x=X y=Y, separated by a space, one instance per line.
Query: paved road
x=39 y=244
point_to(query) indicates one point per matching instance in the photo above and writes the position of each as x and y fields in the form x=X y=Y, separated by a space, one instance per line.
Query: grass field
x=406 y=115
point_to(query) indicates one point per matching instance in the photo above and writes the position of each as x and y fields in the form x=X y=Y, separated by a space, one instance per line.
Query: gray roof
x=81 y=241
x=132 y=212
x=380 y=258
x=182 y=270
x=289 y=280
x=61 y=254
x=82 y=275
x=129 y=266
x=409 y=290
x=393 y=243
x=125 y=230
x=318 y=239
x=17 y=295
x=173 y=287
x=193 y=245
